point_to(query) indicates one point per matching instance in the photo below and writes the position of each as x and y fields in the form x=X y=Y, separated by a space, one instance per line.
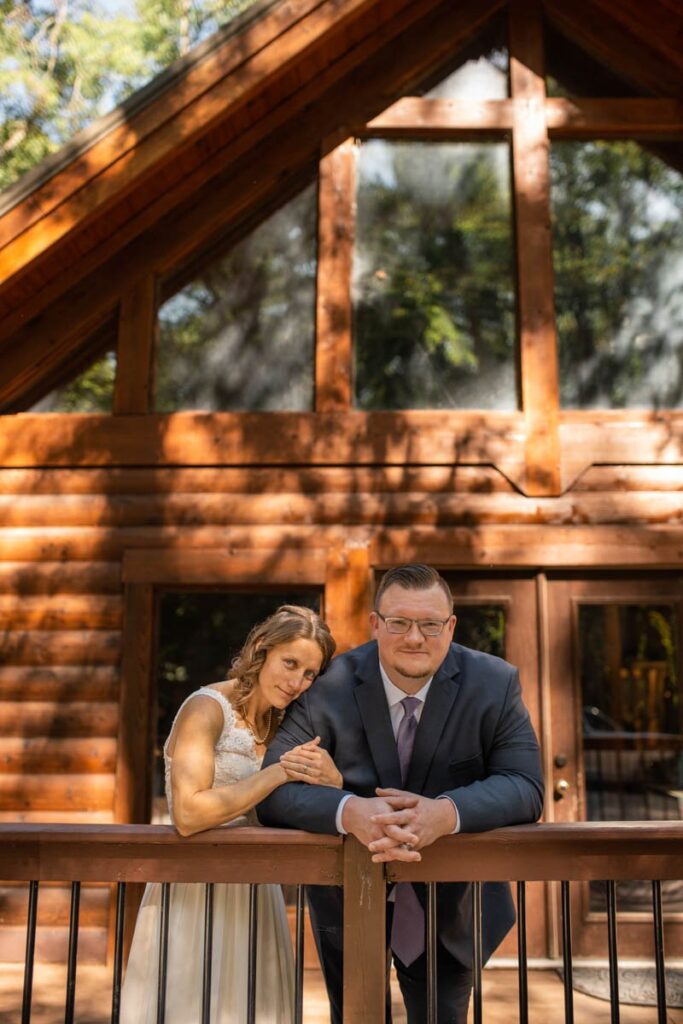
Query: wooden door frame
x=340 y=570
x=565 y=595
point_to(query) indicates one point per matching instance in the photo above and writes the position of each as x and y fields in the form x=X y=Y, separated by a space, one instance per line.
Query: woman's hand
x=310 y=763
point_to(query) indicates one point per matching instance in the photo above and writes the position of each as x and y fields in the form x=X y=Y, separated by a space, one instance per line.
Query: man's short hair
x=414 y=576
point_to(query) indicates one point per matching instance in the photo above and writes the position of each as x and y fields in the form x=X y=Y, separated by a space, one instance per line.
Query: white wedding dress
x=235 y=759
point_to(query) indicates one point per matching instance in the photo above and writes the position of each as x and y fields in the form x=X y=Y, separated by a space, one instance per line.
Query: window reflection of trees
x=618 y=256
x=240 y=335
x=433 y=277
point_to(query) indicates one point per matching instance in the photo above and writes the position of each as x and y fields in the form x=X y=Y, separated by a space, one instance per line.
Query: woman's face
x=288 y=671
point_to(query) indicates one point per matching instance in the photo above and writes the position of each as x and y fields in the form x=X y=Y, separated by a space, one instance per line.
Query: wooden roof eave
x=131 y=153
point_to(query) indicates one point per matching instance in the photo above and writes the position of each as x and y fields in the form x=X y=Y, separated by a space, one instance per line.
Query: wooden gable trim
x=604 y=36
x=34 y=343
x=182 y=154
x=415 y=438
x=226 y=79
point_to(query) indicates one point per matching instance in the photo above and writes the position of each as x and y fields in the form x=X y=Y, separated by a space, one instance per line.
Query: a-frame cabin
x=555 y=507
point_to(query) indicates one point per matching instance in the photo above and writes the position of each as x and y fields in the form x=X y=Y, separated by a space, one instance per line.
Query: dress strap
x=206 y=691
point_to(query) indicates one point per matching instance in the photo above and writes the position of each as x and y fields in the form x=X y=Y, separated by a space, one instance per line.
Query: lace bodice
x=235 y=754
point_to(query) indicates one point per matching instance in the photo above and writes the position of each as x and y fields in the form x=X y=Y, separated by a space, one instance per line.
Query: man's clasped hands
x=396 y=825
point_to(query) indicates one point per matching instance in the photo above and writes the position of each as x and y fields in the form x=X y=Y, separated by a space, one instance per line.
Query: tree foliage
x=65 y=62
x=618 y=254
x=434 y=293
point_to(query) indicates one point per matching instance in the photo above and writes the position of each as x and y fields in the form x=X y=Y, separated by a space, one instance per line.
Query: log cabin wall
x=97 y=511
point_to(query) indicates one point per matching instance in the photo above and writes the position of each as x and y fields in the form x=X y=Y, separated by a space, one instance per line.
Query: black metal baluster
x=208 y=952
x=118 y=952
x=476 y=952
x=659 y=951
x=299 y=957
x=253 y=942
x=521 y=954
x=431 y=953
x=163 y=951
x=31 y=920
x=613 y=958
x=567 y=955
x=73 y=953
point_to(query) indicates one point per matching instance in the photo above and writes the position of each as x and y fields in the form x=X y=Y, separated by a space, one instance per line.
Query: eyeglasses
x=428 y=627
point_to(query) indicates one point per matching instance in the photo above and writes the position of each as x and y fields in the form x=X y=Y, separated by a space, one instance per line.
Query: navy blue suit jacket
x=474 y=742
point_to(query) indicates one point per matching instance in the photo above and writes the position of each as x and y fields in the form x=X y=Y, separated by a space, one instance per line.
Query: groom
x=410 y=712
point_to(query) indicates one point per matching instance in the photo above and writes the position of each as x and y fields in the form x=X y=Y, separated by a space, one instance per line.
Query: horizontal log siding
x=64 y=532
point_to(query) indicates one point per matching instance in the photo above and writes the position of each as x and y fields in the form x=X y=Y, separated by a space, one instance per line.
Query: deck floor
x=93 y=999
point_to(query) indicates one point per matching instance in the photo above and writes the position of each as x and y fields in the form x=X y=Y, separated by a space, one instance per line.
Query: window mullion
x=536 y=307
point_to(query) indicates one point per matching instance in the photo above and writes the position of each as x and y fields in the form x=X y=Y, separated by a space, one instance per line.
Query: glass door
x=615 y=662
x=498 y=615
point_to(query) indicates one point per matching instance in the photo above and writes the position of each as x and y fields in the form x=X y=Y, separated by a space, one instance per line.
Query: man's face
x=409 y=659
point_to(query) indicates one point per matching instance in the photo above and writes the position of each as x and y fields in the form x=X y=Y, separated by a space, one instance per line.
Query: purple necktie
x=408 y=925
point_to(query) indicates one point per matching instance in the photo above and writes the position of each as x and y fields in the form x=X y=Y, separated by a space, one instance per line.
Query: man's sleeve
x=297 y=804
x=512 y=791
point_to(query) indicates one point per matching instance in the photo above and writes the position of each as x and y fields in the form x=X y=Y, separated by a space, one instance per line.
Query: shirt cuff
x=340 y=810
x=444 y=796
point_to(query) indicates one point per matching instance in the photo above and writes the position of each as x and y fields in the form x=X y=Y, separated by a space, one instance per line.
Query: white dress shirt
x=396 y=713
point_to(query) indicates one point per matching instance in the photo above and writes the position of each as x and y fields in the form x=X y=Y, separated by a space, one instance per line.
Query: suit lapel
x=374 y=713
x=440 y=699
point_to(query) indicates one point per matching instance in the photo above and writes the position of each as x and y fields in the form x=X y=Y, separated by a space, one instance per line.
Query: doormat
x=637 y=985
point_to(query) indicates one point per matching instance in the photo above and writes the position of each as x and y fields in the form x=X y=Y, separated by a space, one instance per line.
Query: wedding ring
x=406 y=846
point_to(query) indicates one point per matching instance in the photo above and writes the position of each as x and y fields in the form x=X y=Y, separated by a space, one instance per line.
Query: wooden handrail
x=141 y=853
x=156 y=853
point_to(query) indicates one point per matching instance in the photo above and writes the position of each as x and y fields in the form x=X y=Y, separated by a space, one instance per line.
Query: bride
x=213 y=760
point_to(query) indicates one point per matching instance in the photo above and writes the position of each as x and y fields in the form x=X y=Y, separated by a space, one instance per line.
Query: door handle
x=561 y=789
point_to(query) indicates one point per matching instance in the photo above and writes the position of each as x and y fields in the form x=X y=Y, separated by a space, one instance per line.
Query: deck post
x=365 y=947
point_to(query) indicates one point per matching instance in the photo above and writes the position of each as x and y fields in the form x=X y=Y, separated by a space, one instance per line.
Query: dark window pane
x=91 y=391
x=478 y=72
x=240 y=335
x=199 y=636
x=481 y=627
x=631 y=715
x=618 y=255
x=433 y=292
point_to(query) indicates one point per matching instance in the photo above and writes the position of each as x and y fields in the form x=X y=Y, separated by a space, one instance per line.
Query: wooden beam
x=365 y=938
x=562 y=547
x=607 y=40
x=135 y=352
x=238 y=129
x=336 y=235
x=86 y=292
x=347 y=593
x=231 y=80
x=216 y=565
x=659 y=24
x=536 y=306
x=416 y=117
x=614 y=118
x=212 y=439
x=358 y=507
x=133 y=783
x=153 y=480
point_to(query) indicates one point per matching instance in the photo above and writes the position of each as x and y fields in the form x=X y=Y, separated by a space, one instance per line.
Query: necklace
x=260 y=739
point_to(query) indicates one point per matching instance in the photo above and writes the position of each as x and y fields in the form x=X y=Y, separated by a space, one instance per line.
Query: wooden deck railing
x=563 y=853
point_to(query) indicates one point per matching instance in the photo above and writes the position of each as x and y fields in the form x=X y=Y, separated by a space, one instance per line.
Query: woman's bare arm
x=196 y=806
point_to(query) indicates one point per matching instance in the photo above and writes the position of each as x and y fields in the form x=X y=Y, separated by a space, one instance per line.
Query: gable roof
x=231 y=131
